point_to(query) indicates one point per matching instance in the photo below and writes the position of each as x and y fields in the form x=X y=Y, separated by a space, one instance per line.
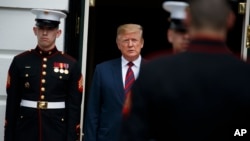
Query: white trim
x=84 y=58
x=49 y=105
x=244 y=32
x=49 y=4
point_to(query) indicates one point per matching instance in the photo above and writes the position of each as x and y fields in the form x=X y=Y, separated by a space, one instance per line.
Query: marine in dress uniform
x=177 y=34
x=44 y=91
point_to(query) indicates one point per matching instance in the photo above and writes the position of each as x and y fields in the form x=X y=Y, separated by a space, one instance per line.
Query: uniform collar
x=208 y=45
x=46 y=53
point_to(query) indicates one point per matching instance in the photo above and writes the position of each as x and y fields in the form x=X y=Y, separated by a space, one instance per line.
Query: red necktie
x=130 y=78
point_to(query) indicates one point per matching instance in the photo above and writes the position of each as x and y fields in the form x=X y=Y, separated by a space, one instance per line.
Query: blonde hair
x=129 y=28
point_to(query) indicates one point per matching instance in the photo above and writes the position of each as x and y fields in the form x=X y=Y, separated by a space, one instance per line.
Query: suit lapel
x=117 y=77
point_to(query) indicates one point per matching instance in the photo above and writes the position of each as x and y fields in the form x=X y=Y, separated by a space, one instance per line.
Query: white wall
x=16 y=36
x=50 y=4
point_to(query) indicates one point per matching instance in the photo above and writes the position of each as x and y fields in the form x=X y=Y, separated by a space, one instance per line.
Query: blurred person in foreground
x=177 y=33
x=202 y=94
x=109 y=88
x=44 y=88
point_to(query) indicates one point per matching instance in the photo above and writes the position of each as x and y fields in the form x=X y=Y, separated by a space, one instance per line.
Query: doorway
x=107 y=15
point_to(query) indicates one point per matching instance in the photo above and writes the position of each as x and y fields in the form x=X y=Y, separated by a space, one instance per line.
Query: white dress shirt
x=135 y=68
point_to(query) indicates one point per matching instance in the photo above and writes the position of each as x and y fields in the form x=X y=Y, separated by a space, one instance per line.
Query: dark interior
x=108 y=14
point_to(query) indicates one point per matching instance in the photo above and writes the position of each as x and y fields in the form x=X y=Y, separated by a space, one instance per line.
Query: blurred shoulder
x=110 y=62
x=67 y=56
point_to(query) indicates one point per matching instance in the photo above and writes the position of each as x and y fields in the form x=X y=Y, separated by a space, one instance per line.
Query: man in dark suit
x=107 y=94
x=44 y=88
x=202 y=94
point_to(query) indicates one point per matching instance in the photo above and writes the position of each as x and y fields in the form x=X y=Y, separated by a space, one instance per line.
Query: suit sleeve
x=12 y=102
x=74 y=103
x=93 y=109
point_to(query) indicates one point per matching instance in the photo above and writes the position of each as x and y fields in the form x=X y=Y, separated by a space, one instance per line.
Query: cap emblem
x=46 y=12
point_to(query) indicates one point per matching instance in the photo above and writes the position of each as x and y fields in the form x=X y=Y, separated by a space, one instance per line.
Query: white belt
x=42 y=104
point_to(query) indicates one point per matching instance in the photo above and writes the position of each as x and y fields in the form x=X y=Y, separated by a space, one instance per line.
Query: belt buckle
x=42 y=104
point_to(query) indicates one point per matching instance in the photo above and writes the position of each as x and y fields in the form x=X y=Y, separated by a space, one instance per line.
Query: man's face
x=179 y=40
x=46 y=36
x=130 y=44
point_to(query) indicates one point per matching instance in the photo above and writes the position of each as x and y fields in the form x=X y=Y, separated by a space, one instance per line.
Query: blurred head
x=177 y=32
x=209 y=15
x=46 y=29
x=130 y=40
x=179 y=39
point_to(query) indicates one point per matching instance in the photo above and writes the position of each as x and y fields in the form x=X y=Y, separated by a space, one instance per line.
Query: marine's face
x=130 y=44
x=46 y=37
x=179 y=40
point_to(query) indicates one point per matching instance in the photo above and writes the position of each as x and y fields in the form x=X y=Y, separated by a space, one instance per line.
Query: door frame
x=245 y=31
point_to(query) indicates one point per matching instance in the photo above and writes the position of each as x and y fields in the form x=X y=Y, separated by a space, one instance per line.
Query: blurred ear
x=142 y=43
x=230 y=20
x=59 y=32
x=35 y=30
x=187 y=20
x=117 y=43
x=170 y=35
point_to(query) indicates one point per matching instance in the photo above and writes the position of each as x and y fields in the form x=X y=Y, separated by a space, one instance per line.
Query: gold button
x=42 y=89
x=66 y=71
x=42 y=97
x=56 y=69
x=45 y=59
x=60 y=77
x=27 y=85
x=61 y=70
x=44 y=72
x=62 y=119
x=43 y=81
x=26 y=75
x=44 y=66
x=41 y=52
x=50 y=52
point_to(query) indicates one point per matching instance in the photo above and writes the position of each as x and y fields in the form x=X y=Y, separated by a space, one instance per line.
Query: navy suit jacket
x=105 y=102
